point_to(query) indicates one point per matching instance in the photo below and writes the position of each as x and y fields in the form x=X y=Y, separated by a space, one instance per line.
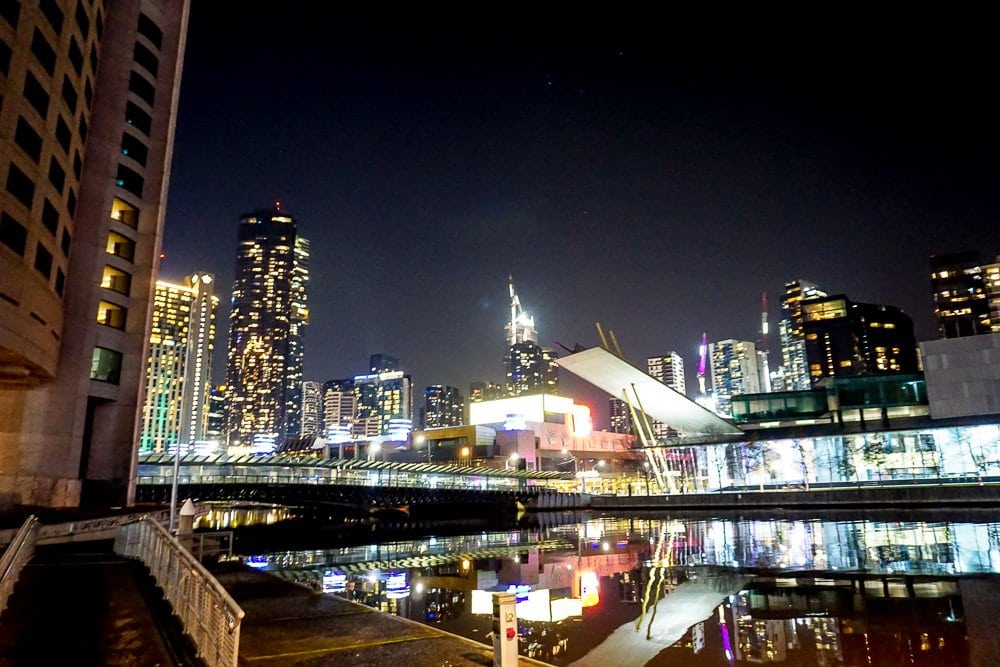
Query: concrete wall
x=963 y=375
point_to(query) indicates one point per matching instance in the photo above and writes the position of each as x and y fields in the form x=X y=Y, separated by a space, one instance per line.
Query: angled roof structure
x=617 y=376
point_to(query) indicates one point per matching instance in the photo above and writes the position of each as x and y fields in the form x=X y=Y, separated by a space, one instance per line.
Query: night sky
x=652 y=172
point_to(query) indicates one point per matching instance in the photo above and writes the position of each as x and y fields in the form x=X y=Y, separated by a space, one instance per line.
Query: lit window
x=111 y=314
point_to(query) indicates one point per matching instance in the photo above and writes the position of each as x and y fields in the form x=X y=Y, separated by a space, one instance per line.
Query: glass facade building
x=179 y=365
x=269 y=314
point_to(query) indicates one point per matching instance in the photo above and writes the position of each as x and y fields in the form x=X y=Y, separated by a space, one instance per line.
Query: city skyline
x=654 y=185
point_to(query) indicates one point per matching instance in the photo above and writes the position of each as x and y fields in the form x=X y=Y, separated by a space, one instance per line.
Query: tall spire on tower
x=521 y=327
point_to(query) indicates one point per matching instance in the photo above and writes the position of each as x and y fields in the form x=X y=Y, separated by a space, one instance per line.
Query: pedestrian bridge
x=348 y=483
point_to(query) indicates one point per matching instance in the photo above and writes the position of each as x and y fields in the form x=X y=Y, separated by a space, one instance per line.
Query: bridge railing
x=207 y=612
x=18 y=552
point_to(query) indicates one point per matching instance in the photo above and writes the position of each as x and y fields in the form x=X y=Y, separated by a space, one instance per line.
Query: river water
x=687 y=589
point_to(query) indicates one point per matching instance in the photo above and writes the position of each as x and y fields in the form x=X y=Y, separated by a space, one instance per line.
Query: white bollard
x=504 y=630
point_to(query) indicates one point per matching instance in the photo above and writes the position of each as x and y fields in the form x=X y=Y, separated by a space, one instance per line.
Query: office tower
x=98 y=80
x=179 y=365
x=961 y=304
x=339 y=405
x=668 y=369
x=846 y=339
x=485 y=391
x=312 y=409
x=619 y=416
x=443 y=406
x=215 y=425
x=530 y=368
x=367 y=403
x=298 y=319
x=734 y=371
x=269 y=313
x=793 y=349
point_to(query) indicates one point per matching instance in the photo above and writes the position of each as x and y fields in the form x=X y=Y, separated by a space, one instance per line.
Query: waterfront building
x=791 y=336
x=668 y=369
x=845 y=339
x=734 y=371
x=179 y=365
x=443 y=406
x=961 y=302
x=269 y=314
x=312 y=409
x=619 y=416
x=80 y=239
x=369 y=403
x=530 y=368
x=485 y=391
x=339 y=405
x=991 y=278
x=963 y=375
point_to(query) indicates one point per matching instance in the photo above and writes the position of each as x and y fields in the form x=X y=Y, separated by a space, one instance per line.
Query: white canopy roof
x=616 y=376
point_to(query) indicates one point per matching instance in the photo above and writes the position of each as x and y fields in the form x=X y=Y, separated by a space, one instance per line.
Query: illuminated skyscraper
x=961 y=302
x=734 y=371
x=367 y=403
x=339 y=406
x=269 y=313
x=845 y=339
x=443 y=406
x=312 y=409
x=80 y=238
x=530 y=368
x=795 y=373
x=179 y=365
x=619 y=416
x=668 y=369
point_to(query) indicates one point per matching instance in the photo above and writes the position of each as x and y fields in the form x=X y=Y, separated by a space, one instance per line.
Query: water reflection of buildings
x=743 y=591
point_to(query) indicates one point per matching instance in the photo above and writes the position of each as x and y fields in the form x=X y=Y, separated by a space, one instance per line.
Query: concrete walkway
x=80 y=604
x=287 y=624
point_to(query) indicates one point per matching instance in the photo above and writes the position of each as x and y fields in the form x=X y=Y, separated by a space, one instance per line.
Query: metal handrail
x=208 y=614
x=18 y=552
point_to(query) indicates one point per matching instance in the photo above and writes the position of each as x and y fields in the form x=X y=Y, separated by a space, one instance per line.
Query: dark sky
x=652 y=172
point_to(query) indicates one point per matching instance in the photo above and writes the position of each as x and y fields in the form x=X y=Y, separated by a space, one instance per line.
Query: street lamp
x=511 y=462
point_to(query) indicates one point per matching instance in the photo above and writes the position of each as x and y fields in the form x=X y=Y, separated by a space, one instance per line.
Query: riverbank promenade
x=79 y=603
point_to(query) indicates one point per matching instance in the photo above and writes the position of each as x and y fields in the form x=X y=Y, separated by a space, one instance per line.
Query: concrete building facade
x=90 y=95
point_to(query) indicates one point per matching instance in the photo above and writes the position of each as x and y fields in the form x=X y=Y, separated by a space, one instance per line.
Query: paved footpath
x=288 y=624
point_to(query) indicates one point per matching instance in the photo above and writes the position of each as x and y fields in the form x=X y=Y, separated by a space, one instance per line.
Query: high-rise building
x=530 y=368
x=961 y=303
x=269 y=313
x=368 y=403
x=339 y=405
x=382 y=363
x=795 y=369
x=89 y=96
x=619 y=416
x=734 y=371
x=312 y=409
x=215 y=425
x=485 y=391
x=844 y=338
x=298 y=319
x=668 y=369
x=443 y=406
x=179 y=365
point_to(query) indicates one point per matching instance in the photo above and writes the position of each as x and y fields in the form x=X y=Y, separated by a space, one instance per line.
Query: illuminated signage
x=334 y=582
x=583 y=425
x=396 y=585
x=590 y=590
